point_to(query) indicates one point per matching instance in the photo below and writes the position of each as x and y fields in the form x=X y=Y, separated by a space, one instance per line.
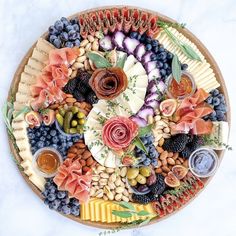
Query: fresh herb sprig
x=185 y=48
x=215 y=141
x=99 y=60
x=176 y=68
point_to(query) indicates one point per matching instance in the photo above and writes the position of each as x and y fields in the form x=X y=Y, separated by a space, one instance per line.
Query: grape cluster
x=59 y=200
x=161 y=55
x=151 y=156
x=45 y=136
x=217 y=101
x=64 y=33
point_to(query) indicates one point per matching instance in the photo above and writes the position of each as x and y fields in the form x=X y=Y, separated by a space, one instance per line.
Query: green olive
x=73 y=130
x=132 y=173
x=133 y=182
x=62 y=111
x=80 y=115
x=145 y=171
x=74 y=123
x=81 y=121
x=74 y=109
x=141 y=179
x=67 y=121
x=60 y=119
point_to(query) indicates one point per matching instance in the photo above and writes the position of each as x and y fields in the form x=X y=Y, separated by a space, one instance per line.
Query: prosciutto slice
x=69 y=178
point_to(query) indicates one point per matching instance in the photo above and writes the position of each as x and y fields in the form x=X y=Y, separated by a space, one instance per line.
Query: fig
x=141 y=179
x=179 y=171
x=152 y=178
x=33 y=118
x=48 y=116
x=145 y=171
x=132 y=173
x=168 y=107
x=171 y=180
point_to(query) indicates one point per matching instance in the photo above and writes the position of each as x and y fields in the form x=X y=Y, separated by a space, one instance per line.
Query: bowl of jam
x=46 y=162
x=203 y=162
x=185 y=88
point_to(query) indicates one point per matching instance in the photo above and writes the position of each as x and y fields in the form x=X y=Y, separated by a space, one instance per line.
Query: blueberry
x=165 y=66
x=154 y=43
x=50 y=205
x=75 y=211
x=155 y=49
x=163 y=72
x=184 y=66
x=37 y=134
x=209 y=100
x=133 y=35
x=143 y=38
x=215 y=92
x=66 y=200
x=69 y=44
x=45 y=193
x=148 y=47
x=220 y=115
x=153 y=57
x=221 y=97
x=168 y=71
x=69 y=28
x=77 y=42
x=54 y=146
x=42 y=138
x=40 y=144
x=46 y=201
x=215 y=101
x=159 y=64
x=145 y=141
x=52 y=189
x=44 y=133
x=71 y=32
x=51 y=197
x=148 y=40
x=65 y=21
x=169 y=56
x=53 y=30
x=222 y=107
x=52 y=38
x=33 y=142
x=64 y=36
x=47 y=143
x=147 y=162
x=161 y=49
x=154 y=162
x=56 y=204
x=75 y=202
x=61 y=194
x=66 y=210
x=53 y=133
x=152 y=149
x=57 y=43
x=74 y=21
x=31 y=136
x=163 y=55
x=58 y=25
x=69 y=144
x=55 y=140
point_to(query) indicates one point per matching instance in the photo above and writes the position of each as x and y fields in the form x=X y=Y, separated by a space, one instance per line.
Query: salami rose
x=108 y=83
x=118 y=132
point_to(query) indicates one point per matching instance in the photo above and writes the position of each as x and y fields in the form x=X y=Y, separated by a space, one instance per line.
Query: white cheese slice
x=136 y=70
x=131 y=60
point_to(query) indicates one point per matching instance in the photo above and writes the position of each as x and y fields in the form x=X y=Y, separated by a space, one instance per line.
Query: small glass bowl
x=35 y=165
x=64 y=133
x=211 y=170
x=169 y=80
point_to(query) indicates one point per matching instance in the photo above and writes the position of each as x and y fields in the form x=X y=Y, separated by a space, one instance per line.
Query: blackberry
x=70 y=86
x=176 y=143
x=153 y=197
x=160 y=186
x=186 y=152
x=81 y=87
x=84 y=76
x=143 y=199
x=78 y=96
x=91 y=98
x=196 y=142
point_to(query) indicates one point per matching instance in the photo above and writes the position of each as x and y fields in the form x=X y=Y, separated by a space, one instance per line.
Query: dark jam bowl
x=203 y=162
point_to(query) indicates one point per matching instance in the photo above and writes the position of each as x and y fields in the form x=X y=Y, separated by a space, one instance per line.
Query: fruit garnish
x=171 y=180
x=168 y=107
x=33 y=118
x=108 y=83
x=48 y=116
x=179 y=171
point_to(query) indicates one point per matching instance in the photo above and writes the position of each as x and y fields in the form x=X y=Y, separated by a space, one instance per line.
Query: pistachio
x=118 y=196
x=110 y=196
x=90 y=38
x=120 y=189
x=84 y=43
x=112 y=178
x=124 y=198
x=81 y=51
x=81 y=59
x=95 y=178
x=123 y=171
x=99 y=193
x=110 y=170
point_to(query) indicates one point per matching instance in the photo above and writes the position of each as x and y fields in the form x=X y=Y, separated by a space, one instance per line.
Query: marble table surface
x=22 y=213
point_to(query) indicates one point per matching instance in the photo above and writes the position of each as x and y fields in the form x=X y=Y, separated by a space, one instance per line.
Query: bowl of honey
x=46 y=162
x=182 y=89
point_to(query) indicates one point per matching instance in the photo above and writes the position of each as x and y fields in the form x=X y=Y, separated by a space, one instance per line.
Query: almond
x=163 y=155
x=171 y=161
x=165 y=169
x=158 y=170
x=86 y=154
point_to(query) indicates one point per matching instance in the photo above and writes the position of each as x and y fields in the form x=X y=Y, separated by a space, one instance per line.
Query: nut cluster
x=82 y=62
x=110 y=184
x=167 y=160
x=161 y=129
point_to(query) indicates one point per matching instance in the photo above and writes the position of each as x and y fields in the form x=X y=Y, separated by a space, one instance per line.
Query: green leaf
x=98 y=60
x=121 y=61
x=122 y=214
x=143 y=213
x=145 y=130
x=138 y=143
x=176 y=68
x=24 y=110
x=189 y=51
x=126 y=205
x=145 y=222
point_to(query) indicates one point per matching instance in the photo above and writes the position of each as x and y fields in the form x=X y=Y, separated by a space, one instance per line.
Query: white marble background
x=21 y=211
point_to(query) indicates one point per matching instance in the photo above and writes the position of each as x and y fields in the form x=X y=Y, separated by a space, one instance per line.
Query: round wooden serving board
x=189 y=35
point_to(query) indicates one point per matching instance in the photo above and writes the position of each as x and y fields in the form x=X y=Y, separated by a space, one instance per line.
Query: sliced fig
x=168 y=107
x=179 y=171
x=33 y=118
x=48 y=116
x=171 y=180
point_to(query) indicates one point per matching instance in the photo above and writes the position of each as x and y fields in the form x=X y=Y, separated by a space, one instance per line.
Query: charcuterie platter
x=117 y=117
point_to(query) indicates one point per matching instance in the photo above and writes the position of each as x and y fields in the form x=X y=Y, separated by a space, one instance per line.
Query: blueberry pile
x=80 y=89
x=64 y=33
x=217 y=101
x=59 y=200
x=161 y=55
x=45 y=136
x=151 y=156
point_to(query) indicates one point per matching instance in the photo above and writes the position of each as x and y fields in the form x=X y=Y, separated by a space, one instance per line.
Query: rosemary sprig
x=215 y=141
x=185 y=48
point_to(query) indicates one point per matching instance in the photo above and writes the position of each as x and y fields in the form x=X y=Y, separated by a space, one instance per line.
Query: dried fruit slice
x=171 y=180
x=179 y=171
x=168 y=107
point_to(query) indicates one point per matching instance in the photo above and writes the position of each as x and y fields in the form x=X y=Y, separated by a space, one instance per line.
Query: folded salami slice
x=118 y=20
x=83 y=26
x=152 y=25
x=110 y=21
x=127 y=20
x=135 y=20
x=143 y=22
